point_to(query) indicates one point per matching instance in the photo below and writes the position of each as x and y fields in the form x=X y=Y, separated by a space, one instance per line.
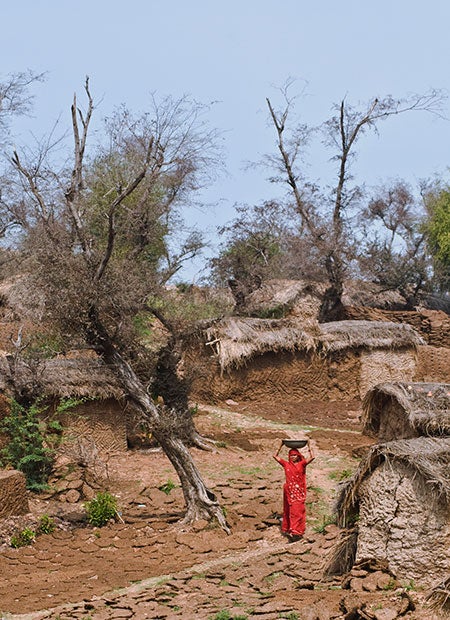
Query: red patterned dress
x=294 y=496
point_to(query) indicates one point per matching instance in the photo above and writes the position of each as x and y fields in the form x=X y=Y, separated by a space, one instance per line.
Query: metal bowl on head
x=295 y=443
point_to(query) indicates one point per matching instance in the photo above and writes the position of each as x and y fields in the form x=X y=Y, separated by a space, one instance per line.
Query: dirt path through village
x=151 y=567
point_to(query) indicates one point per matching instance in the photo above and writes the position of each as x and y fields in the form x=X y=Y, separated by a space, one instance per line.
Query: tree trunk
x=332 y=308
x=201 y=503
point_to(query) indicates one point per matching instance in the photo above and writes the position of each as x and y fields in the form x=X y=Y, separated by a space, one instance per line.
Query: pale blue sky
x=235 y=53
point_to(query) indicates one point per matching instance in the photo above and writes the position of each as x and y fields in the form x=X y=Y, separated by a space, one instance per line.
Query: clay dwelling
x=246 y=358
x=365 y=301
x=396 y=509
x=102 y=419
x=407 y=410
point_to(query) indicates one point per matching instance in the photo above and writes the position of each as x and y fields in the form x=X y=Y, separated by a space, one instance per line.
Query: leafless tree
x=93 y=236
x=325 y=216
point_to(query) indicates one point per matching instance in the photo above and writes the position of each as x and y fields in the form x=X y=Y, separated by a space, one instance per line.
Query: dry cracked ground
x=149 y=566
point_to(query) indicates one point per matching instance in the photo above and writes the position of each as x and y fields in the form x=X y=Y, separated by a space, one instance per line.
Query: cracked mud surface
x=152 y=567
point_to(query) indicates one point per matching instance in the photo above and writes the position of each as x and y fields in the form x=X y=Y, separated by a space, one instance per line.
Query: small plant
x=326 y=520
x=391 y=584
x=46 y=525
x=293 y=615
x=167 y=487
x=23 y=538
x=101 y=509
x=341 y=475
x=408 y=586
x=224 y=614
x=345 y=473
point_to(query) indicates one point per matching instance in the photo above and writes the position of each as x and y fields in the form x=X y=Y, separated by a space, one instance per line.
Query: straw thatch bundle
x=341 y=335
x=407 y=409
x=439 y=597
x=425 y=457
x=63 y=378
x=236 y=340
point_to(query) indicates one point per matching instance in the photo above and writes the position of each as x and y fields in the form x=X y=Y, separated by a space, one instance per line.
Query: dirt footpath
x=151 y=567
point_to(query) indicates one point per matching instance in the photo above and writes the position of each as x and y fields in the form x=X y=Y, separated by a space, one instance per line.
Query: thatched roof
x=439 y=597
x=63 y=378
x=341 y=335
x=237 y=339
x=425 y=406
x=426 y=457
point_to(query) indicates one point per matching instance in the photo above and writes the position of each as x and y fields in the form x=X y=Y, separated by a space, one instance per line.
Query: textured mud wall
x=13 y=493
x=381 y=366
x=394 y=423
x=403 y=523
x=102 y=423
x=298 y=376
x=433 y=365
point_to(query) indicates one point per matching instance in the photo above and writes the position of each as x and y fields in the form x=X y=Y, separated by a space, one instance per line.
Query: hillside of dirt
x=147 y=565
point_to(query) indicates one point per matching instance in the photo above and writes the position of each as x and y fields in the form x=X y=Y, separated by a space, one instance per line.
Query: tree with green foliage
x=437 y=232
x=94 y=246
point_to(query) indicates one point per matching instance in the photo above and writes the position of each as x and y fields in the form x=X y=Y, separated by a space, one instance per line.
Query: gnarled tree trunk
x=201 y=503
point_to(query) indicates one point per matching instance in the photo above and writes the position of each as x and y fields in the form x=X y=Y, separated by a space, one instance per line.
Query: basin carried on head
x=295 y=443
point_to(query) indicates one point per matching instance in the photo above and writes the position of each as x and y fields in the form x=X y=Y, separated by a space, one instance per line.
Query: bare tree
x=93 y=242
x=325 y=216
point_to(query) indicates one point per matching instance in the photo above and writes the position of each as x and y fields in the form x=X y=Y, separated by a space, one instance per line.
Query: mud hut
x=406 y=410
x=252 y=359
x=397 y=510
x=100 y=418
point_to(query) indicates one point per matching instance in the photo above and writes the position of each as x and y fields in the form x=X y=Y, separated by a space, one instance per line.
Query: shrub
x=33 y=438
x=23 y=538
x=167 y=487
x=326 y=520
x=46 y=525
x=30 y=440
x=101 y=509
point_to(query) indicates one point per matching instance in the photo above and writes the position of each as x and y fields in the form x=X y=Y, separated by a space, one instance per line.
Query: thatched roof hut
x=243 y=358
x=406 y=410
x=236 y=340
x=399 y=499
x=102 y=417
x=62 y=378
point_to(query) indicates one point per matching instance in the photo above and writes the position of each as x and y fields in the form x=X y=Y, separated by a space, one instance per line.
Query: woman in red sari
x=294 y=491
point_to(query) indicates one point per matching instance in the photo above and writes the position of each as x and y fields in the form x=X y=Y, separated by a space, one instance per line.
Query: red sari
x=294 y=496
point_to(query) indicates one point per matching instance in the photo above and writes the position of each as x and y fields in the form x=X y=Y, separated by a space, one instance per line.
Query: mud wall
x=13 y=493
x=380 y=366
x=402 y=523
x=298 y=376
x=433 y=365
x=103 y=423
